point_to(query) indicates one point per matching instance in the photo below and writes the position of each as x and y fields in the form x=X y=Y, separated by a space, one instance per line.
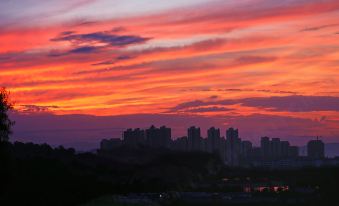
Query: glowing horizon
x=231 y=59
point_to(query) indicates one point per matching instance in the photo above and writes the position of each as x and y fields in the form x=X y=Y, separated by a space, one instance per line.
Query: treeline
x=39 y=175
x=34 y=174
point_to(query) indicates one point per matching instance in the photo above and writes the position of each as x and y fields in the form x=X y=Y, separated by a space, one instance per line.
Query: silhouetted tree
x=5 y=122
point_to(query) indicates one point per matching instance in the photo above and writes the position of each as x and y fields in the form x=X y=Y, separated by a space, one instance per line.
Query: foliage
x=5 y=122
x=42 y=175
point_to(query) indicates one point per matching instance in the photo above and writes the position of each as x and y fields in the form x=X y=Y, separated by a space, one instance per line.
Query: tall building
x=316 y=149
x=233 y=147
x=213 y=140
x=166 y=136
x=194 y=139
x=231 y=150
x=134 y=137
x=215 y=143
x=285 y=145
x=246 y=149
x=293 y=152
x=265 y=148
x=222 y=150
x=276 y=148
x=158 y=137
x=204 y=145
x=256 y=153
x=180 y=144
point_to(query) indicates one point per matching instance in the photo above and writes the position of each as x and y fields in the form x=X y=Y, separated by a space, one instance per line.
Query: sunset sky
x=83 y=70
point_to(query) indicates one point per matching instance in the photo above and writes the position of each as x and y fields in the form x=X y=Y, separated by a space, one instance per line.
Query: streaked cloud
x=35 y=108
x=106 y=38
x=277 y=103
x=259 y=60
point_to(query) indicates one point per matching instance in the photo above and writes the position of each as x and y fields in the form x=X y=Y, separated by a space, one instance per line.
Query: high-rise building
x=246 y=149
x=233 y=146
x=316 y=149
x=213 y=140
x=204 y=145
x=215 y=143
x=256 y=153
x=194 y=139
x=265 y=148
x=180 y=144
x=231 y=150
x=158 y=137
x=166 y=136
x=276 y=148
x=134 y=137
x=285 y=145
x=293 y=151
x=222 y=150
x=152 y=136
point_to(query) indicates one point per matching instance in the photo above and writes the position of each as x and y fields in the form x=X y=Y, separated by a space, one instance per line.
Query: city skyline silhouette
x=169 y=103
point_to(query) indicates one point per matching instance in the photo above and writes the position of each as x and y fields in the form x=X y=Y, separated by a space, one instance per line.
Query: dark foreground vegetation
x=40 y=175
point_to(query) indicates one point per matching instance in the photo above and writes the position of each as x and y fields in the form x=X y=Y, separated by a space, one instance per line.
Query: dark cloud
x=36 y=108
x=209 y=109
x=10 y=57
x=118 y=29
x=96 y=42
x=280 y=103
x=276 y=91
x=67 y=33
x=254 y=59
x=254 y=90
x=85 y=23
x=85 y=49
x=186 y=105
x=124 y=57
x=319 y=27
x=115 y=60
x=5 y=57
x=295 y=103
x=78 y=50
x=107 y=38
x=214 y=97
